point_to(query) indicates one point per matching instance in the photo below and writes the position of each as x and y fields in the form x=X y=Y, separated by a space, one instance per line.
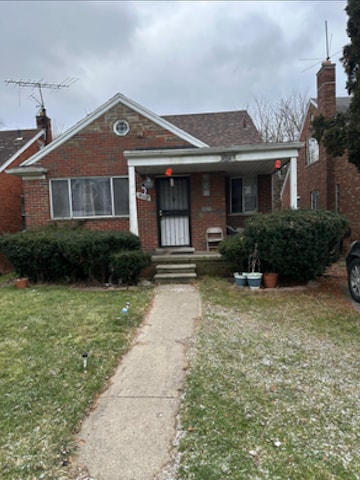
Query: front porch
x=186 y=191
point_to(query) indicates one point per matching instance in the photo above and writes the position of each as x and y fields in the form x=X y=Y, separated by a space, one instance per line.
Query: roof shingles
x=12 y=140
x=219 y=129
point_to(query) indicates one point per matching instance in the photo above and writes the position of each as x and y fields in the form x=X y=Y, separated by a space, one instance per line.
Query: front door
x=173 y=204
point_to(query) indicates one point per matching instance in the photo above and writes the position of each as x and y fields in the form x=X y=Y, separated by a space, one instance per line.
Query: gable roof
x=118 y=98
x=342 y=104
x=219 y=129
x=14 y=142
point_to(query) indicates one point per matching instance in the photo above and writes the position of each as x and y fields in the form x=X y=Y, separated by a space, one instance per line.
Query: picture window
x=89 y=197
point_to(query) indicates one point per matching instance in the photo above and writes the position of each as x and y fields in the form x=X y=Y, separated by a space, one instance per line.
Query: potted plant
x=254 y=277
x=240 y=279
x=270 y=279
x=22 y=282
x=235 y=251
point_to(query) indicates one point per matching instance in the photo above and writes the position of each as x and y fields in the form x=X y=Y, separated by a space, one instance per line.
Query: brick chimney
x=44 y=122
x=326 y=89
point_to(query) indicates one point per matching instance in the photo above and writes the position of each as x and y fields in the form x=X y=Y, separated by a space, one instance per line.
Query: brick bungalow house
x=324 y=181
x=166 y=179
x=15 y=147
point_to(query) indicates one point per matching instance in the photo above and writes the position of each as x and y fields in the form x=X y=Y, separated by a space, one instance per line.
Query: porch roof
x=247 y=160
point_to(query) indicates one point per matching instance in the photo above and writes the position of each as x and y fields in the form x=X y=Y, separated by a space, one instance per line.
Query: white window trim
x=121 y=133
x=91 y=217
x=310 y=154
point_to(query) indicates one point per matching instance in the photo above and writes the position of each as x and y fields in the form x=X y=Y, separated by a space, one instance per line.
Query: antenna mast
x=327 y=42
x=40 y=85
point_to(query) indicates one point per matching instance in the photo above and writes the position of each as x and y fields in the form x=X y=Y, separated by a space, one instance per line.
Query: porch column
x=133 y=220
x=293 y=183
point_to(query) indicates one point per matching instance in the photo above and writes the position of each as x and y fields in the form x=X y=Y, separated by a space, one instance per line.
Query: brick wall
x=319 y=176
x=332 y=177
x=10 y=196
x=11 y=191
x=348 y=181
x=311 y=177
x=207 y=211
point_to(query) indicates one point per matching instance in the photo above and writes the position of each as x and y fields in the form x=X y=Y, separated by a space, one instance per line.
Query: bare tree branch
x=282 y=121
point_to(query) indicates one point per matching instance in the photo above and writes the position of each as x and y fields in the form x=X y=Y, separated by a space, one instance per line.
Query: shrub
x=235 y=251
x=127 y=266
x=297 y=244
x=64 y=254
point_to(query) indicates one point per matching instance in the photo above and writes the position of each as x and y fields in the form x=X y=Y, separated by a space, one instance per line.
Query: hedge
x=65 y=255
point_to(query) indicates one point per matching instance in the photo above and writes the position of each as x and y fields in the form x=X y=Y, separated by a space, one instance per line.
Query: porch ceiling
x=247 y=160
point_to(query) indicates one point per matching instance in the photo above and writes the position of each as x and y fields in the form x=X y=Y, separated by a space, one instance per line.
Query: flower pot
x=270 y=279
x=240 y=279
x=254 y=280
x=22 y=283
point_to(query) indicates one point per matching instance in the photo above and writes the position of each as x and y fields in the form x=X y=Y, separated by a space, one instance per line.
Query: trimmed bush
x=64 y=255
x=127 y=266
x=297 y=244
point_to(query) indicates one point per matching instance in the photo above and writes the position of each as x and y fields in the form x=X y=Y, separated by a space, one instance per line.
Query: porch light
x=277 y=164
x=148 y=183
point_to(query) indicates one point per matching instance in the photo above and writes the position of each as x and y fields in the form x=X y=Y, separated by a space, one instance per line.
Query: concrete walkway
x=130 y=434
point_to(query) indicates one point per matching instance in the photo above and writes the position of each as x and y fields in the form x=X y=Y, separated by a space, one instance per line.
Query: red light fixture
x=277 y=164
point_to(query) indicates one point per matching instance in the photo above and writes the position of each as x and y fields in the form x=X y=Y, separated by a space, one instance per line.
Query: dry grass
x=274 y=388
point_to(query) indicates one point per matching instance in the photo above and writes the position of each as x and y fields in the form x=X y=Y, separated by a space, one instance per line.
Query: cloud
x=170 y=56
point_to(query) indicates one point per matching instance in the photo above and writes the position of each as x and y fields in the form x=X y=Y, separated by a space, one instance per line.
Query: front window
x=243 y=195
x=89 y=197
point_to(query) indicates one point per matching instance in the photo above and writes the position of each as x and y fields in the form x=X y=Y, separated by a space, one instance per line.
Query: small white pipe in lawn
x=84 y=357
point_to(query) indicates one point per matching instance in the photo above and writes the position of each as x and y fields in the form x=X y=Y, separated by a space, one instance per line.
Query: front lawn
x=45 y=391
x=274 y=387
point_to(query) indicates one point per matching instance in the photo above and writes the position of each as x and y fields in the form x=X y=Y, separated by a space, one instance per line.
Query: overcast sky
x=170 y=56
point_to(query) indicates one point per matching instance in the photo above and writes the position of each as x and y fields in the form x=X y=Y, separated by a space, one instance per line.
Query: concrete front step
x=176 y=268
x=165 y=278
x=175 y=273
x=175 y=251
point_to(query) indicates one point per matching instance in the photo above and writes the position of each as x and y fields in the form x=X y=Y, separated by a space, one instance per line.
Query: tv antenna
x=40 y=85
x=327 y=46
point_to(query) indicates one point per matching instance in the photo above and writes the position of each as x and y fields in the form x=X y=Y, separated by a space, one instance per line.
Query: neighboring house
x=15 y=147
x=166 y=179
x=324 y=181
